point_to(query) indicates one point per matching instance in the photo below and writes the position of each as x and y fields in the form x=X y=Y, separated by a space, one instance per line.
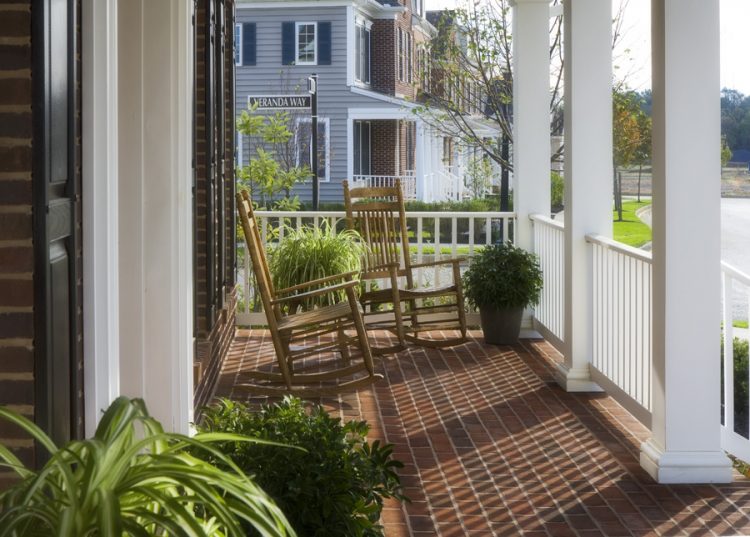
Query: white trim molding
x=100 y=209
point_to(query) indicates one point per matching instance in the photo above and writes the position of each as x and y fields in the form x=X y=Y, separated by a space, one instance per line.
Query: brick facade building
x=48 y=370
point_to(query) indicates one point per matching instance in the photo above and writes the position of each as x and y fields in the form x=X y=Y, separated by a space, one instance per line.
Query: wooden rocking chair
x=307 y=343
x=378 y=215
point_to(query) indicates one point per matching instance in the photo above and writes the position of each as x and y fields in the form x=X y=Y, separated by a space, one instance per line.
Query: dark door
x=56 y=215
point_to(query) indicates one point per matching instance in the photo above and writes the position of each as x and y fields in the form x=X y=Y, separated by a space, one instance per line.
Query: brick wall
x=16 y=246
x=383 y=56
x=383 y=156
x=213 y=329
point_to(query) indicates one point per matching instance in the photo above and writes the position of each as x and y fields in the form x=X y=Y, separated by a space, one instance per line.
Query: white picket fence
x=442 y=233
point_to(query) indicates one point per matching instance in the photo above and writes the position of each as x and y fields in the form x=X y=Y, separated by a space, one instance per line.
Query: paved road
x=735 y=232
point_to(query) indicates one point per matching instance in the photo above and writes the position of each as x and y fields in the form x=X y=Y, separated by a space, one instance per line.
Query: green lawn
x=631 y=230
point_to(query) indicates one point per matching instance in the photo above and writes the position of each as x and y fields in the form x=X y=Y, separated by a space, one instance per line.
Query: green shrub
x=132 y=478
x=741 y=393
x=310 y=253
x=503 y=276
x=333 y=488
x=558 y=191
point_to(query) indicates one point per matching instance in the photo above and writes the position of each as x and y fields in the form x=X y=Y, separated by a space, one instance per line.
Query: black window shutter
x=248 y=43
x=324 y=43
x=287 y=43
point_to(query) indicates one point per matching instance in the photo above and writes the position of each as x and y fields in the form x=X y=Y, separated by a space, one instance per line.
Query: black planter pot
x=501 y=327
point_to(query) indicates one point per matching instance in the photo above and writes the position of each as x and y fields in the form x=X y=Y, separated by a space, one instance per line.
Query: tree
x=726 y=153
x=643 y=151
x=471 y=69
x=272 y=171
x=628 y=124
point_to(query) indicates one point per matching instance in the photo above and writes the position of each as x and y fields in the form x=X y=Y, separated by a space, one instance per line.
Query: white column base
x=685 y=466
x=575 y=380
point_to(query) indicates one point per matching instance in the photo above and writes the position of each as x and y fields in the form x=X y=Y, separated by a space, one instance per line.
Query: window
x=238 y=150
x=362 y=132
x=306 y=45
x=238 y=44
x=405 y=59
x=304 y=145
x=409 y=58
x=419 y=7
x=362 y=53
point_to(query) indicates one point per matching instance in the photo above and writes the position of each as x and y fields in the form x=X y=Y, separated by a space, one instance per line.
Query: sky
x=633 y=55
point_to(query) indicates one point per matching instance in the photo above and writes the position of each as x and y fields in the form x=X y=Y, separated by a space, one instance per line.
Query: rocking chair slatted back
x=378 y=215
x=258 y=258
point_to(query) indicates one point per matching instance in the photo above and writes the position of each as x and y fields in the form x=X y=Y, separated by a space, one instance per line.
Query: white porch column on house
x=531 y=128
x=419 y=161
x=685 y=446
x=588 y=173
x=155 y=133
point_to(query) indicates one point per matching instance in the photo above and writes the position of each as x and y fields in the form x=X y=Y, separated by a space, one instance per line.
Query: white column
x=588 y=173
x=156 y=121
x=531 y=94
x=686 y=444
x=419 y=161
x=100 y=230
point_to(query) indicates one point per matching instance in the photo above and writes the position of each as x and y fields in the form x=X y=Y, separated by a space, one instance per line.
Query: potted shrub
x=501 y=281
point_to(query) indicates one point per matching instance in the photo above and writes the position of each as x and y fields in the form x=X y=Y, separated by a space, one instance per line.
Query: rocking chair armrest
x=450 y=261
x=348 y=276
x=316 y=292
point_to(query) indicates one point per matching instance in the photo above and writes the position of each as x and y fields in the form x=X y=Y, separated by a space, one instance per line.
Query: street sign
x=280 y=102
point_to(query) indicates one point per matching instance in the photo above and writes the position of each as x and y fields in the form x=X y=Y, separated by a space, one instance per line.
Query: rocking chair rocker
x=311 y=366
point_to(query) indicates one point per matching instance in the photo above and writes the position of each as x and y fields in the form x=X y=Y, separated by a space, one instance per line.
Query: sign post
x=313 y=90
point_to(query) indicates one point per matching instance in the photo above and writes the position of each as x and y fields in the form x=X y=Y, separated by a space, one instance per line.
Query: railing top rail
x=409 y=214
x=546 y=220
x=735 y=273
x=615 y=246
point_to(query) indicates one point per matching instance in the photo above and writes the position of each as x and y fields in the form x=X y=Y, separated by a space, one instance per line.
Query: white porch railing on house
x=446 y=186
x=408 y=183
x=549 y=246
x=736 y=414
x=451 y=234
x=622 y=313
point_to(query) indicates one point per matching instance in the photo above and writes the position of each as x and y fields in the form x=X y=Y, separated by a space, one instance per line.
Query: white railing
x=736 y=414
x=408 y=183
x=447 y=233
x=447 y=186
x=549 y=246
x=622 y=313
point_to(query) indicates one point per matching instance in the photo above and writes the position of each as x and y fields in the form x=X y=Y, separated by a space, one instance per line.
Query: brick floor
x=492 y=446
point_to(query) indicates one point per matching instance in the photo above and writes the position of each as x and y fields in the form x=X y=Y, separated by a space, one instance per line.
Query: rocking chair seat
x=318 y=315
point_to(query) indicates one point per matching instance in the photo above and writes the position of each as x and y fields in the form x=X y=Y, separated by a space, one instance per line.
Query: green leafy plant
x=132 y=478
x=503 y=276
x=335 y=488
x=310 y=253
x=557 y=191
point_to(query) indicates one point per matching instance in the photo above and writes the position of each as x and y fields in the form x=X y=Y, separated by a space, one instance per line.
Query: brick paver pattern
x=492 y=446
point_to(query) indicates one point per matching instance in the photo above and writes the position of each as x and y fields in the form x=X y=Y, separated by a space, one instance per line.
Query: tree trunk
x=640 y=171
x=619 y=196
x=504 y=175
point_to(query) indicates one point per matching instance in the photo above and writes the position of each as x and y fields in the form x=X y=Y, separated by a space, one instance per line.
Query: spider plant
x=310 y=253
x=132 y=478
